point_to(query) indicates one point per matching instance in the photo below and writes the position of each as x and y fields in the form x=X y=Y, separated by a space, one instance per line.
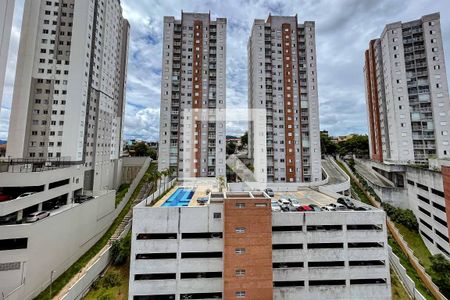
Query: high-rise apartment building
x=68 y=99
x=6 y=17
x=192 y=123
x=284 y=137
x=407 y=93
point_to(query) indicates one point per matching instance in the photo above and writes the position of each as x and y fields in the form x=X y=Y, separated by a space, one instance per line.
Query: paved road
x=335 y=174
x=371 y=175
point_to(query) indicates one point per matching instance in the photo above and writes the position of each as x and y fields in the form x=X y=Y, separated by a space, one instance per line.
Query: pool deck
x=200 y=191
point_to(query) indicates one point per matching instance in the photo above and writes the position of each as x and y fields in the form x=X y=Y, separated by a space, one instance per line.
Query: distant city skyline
x=342 y=35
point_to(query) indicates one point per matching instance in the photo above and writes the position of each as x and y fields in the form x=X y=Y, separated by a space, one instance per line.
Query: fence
x=408 y=283
x=158 y=192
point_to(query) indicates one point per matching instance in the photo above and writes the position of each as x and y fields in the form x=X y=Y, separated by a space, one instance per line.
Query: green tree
x=441 y=267
x=231 y=148
x=152 y=153
x=357 y=144
x=141 y=149
x=328 y=146
x=244 y=139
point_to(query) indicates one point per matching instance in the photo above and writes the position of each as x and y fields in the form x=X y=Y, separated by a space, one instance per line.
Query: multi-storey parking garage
x=236 y=247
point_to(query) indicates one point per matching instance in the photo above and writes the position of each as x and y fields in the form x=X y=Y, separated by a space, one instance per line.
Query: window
x=423 y=187
x=239 y=250
x=13 y=244
x=201 y=255
x=156 y=276
x=240 y=205
x=240 y=294
x=239 y=272
x=239 y=229
x=437 y=192
x=156 y=236
x=217 y=215
x=156 y=256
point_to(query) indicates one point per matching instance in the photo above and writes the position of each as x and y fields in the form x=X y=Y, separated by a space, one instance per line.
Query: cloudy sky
x=344 y=28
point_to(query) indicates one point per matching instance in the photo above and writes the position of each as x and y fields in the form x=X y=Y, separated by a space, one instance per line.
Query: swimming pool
x=181 y=197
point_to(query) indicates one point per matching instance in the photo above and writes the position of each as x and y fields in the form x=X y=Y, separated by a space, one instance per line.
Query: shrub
x=441 y=268
x=120 y=251
x=104 y=297
x=111 y=280
x=402 y=216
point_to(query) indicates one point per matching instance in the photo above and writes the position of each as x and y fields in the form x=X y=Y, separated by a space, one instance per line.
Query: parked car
x=37 y=215
x=81 y=198
x=8 y=218
x=361 y=208
x=269 y=192
x=328 y=208
x=295 y=202
x=338 y=206
x=275 y=206
x=346 y=202
x=315 y=207
x=305 y=208
x=4 y=197
x=25 y=195
x=284 y=203
x=202 y=200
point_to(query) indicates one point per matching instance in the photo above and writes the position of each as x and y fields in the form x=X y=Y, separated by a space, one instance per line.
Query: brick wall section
x=257 y=241
x=446 y=184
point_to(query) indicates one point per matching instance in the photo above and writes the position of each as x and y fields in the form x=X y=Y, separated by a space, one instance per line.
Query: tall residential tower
x=407 y=93
x=192 y=123
x=6 y=17
x=284 y=135
x=68 y=97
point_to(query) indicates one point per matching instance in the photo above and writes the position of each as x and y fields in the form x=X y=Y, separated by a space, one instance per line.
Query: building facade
x=407 y=92
x=6 y=18
x=284 y=134
x=236 y=247
x=69 y=92
x=193 y=85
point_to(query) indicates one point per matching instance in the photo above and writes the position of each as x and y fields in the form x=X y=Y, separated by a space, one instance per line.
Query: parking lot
x=308 y=196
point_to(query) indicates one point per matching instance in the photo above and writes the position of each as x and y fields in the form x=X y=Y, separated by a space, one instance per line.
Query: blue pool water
x=181 y=197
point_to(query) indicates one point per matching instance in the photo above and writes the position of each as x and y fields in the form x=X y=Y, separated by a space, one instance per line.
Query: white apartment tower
x=284 y=135
x=407 y=93
x=68 y=99
x=192 y=122
x=6 y=17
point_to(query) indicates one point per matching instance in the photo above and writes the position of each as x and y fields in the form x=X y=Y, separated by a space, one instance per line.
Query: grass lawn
x=65 y=277
x=119 y=292
x=416 y=243
x=123 y=189
x=409 y=269
x=398 y=290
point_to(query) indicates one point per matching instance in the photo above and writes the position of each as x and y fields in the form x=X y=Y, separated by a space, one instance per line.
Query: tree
x=357 y=145
x=244 y=139
x=231 y=148
x=141 y=149
x=152 y=153
x=328 y=146
x=441 y=267
x=221 y=181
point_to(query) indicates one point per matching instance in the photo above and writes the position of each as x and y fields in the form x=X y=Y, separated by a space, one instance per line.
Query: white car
x=295 y=202
x=328 y=208
x=338 y=206
x=284 y=200
x=37 y=215
x=25 y=195
x=275 y=206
